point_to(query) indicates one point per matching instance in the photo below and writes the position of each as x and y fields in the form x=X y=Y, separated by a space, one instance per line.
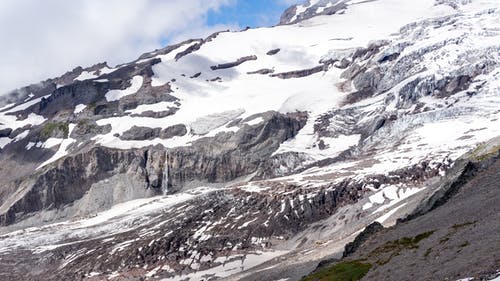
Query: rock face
x=254 y=155
x=439 y=238
x=351 y=247
x=233 y=64
x=300 y=73
x=233 y=156
x=74 y=176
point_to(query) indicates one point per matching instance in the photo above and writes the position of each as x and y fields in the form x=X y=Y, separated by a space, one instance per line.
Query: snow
x=106 y=70
x=21 y=135
x=4 y=142
x=136 y=84
x=255 y=121
x=306 y=141
x=171 y=55
x=377 y=198
x=30 y=145
x=51 y=142
x=367 y=206
x=321 y=9
x=231 y=265
x=120 y=218
x=207 y=107
x=395 y=195
x=387 y=215
x=391 y=192
x=253 y=94
x=205 y=124
x=251 y=187
x=79 y=108
x=63 y=148
x=26 y=105
x=247 y=223
x=85 y=75
x=10 y=121
x=7 y=106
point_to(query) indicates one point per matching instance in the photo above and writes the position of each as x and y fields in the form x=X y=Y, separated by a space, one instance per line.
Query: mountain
x=256 y=155
x=451 y=234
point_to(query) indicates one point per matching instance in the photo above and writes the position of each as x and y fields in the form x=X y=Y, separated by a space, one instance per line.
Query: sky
x=44 y=39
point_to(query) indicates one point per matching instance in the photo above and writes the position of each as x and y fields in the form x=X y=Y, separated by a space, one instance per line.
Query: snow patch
x=136 y=84
x=79 y=108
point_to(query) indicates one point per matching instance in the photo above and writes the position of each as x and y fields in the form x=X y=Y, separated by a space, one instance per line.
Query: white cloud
x=43 y=39
x=291 y=2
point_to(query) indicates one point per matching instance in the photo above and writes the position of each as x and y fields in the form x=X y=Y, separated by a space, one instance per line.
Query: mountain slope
x=454 y=238
x=245 y=154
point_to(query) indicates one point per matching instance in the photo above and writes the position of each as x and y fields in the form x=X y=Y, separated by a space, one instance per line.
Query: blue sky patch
x=253 y=13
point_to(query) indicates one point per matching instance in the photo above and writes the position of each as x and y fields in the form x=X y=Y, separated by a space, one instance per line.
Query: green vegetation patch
x=343 y=271
x=458 y=226
x=454 y=230
x=465 y=244
x=480 y=153
x=87 y=125
x=51 y=129
x=391 y=249
x=405 y=242
x=427 y=252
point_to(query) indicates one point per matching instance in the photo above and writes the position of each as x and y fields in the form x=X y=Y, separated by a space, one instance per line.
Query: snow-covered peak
x=311 y=8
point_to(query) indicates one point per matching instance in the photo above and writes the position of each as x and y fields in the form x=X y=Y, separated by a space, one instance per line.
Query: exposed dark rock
x=67 y=181
x=154 y=114
x=460 y=236
x=146 y=133
x=288 y=14
x=370 y=51
x=5 y=132
x=166 y=50
x=367 y=80
x=173 y=131
x=86 y=129
x=18 y=131
x=461 y=173
x=196 y=75
x=197 y=46
x=191 y=49
x=66 y=98
x=233 y=64
x=390 y=57
x=262 y=71
x=140 y=133
x=288 y=17
x=343 y=63
x=440 y=232
x=273 y=52
x=359 y=95
x=300 y=73
x=351 y=247
x=230 y=156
